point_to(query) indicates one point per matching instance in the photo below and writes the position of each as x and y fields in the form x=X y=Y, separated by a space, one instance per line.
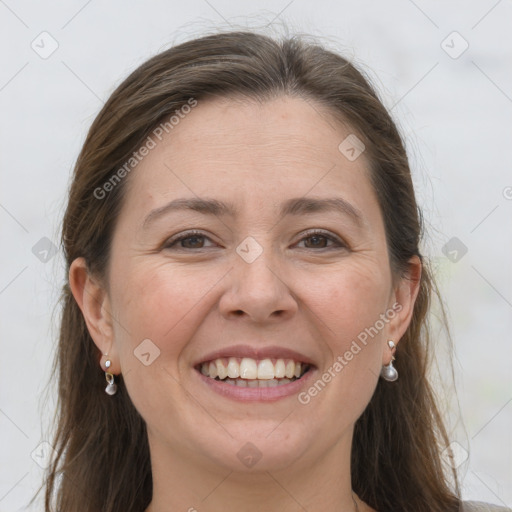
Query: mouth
x=246 y=372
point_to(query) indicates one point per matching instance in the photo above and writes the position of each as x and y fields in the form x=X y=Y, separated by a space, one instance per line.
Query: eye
x=190 y=240
x=320 y=239
x=196 y=240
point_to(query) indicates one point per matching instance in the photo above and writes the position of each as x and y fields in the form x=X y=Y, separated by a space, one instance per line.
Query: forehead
x=243 y=150
x=241 y=129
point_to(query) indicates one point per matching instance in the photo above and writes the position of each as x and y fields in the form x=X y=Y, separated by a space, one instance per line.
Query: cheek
x=350 y=299
x=156 y=311
x=160 y=304
x=350 y=304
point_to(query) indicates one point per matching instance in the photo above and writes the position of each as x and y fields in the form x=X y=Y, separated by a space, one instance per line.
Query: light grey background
x=456 y=114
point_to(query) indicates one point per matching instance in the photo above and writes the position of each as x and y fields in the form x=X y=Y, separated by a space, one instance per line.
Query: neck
x=185 y=481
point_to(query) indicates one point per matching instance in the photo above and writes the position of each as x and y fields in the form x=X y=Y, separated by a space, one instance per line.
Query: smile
x=253 y=373
x=255 y=380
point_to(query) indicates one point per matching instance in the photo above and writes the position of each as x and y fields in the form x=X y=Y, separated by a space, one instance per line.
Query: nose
x=259 y=291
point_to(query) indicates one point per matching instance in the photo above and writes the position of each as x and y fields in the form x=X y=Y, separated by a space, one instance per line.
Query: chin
x=258 y=449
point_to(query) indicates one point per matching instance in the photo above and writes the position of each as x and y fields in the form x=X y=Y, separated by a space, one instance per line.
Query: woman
x=244 y=326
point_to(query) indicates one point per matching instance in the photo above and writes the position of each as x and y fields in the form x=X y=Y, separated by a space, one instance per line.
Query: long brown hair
x=102 y=459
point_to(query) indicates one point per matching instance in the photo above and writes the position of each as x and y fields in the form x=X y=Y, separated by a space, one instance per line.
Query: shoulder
x=478 y=506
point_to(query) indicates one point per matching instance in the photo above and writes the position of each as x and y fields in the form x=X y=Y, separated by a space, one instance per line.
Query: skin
x=307 y=294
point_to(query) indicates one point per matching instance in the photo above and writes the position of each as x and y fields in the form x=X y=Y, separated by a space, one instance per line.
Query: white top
x=478 y=506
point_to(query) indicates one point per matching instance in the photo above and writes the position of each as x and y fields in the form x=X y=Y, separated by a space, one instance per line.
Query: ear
x=402 y=303
x=94 y=302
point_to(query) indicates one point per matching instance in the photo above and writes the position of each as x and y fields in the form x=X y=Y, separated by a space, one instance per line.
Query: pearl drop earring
x=111 y=388
x=388 y=372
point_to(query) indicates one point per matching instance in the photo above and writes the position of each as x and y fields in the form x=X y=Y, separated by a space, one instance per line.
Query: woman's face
x=283 y=257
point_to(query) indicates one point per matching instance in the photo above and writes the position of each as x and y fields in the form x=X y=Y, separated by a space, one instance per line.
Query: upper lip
x=269 y=352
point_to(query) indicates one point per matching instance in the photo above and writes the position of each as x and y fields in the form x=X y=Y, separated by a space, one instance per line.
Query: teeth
x=255 y=383
x=249 y=372
x=212 y=370
x=289 y=371
x=279 y=369
x=222 y=371
x=265 y=369
x=248 y=368
x=233 y=368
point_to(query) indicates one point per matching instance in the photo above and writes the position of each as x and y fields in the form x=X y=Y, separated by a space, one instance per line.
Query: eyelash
x=309 y=234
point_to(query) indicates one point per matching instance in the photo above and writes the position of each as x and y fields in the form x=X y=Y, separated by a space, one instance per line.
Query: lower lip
x=257 y=394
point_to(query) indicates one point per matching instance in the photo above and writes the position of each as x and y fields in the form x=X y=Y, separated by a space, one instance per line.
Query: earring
x=388 y=372
x=111 y=388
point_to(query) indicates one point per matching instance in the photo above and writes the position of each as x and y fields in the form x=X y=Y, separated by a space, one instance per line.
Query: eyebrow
x=295 y=206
